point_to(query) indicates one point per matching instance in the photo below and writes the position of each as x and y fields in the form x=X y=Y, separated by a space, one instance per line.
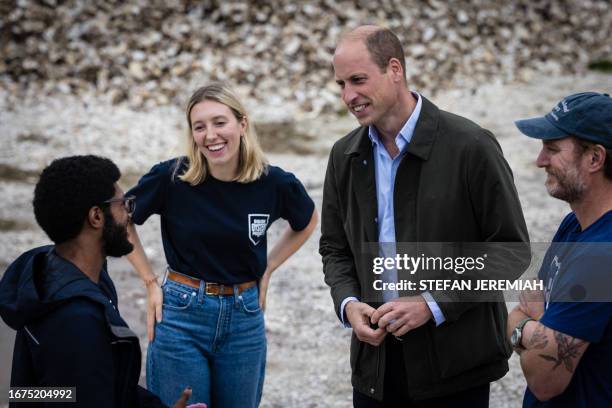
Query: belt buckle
x=207 y=291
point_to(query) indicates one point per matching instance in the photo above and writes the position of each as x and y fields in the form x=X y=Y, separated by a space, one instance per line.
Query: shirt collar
x=407 y=130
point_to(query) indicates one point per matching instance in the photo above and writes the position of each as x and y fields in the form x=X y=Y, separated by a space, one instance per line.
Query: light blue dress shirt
x=385 y=171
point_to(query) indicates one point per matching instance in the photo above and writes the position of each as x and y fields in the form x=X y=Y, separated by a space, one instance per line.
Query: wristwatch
x=517 y=334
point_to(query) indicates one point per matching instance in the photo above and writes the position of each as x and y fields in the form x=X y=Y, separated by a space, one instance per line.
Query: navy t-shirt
x=577 y=272
x=216 y=230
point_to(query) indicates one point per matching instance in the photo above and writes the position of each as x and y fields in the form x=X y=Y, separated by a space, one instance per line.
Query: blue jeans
x=215 y=344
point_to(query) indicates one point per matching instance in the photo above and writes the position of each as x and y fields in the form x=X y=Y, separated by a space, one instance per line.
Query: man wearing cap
x=564 y=335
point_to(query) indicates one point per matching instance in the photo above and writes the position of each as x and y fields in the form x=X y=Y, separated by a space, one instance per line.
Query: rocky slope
x=278 y=52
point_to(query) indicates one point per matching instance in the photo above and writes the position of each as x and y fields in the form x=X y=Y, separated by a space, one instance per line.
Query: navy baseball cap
x=586 y=115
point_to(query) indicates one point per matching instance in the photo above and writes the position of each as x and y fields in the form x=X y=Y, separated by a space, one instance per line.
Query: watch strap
x=523 y=323
x=519 y=328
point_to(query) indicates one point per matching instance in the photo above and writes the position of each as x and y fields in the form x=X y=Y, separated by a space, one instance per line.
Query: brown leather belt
x=210 y=288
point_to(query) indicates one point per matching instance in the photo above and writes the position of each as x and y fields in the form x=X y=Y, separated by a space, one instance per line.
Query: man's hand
x=532 y=303
x=182 y=401
x=401 y=315
x=358 y=315
x=155 y=299
x=514 y=318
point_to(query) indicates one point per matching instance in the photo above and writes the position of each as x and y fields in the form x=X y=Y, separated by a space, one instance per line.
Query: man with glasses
x=60 y=298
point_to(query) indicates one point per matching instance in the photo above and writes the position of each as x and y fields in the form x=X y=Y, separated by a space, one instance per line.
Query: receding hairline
x=359 y=34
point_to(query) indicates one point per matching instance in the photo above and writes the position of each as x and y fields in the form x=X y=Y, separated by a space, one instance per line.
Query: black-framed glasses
x=129 y=203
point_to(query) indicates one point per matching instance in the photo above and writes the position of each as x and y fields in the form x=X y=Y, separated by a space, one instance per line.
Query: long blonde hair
x=251 y=161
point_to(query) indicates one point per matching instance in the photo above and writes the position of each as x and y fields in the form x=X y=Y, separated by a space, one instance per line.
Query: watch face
x=514 y=339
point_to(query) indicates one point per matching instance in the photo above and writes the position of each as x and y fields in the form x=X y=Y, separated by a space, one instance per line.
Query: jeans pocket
x=177 y=297
x=249 y=300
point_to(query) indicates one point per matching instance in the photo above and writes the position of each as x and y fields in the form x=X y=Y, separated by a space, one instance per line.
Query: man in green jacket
x=412 y=173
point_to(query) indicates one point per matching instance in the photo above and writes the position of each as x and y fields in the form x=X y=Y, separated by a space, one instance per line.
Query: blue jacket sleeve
x=74 y=350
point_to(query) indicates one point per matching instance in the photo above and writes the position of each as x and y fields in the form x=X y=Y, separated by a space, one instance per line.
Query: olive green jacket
x=453 y=185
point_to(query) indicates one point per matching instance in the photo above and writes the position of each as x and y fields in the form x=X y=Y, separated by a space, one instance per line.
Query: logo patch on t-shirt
x=257 y=227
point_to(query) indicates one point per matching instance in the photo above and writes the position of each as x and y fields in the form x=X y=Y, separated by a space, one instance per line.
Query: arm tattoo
x=566 y=351
x=539 y=339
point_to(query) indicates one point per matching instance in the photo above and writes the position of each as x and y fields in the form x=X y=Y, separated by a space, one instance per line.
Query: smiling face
x=564 y=165
x=369 y=93
x=216 y=132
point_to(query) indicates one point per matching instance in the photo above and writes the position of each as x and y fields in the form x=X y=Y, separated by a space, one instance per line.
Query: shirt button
x=375 y=219
x=365 y=162
x=371 y=390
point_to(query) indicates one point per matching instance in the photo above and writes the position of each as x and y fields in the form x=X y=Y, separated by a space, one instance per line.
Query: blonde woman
x=216 y=205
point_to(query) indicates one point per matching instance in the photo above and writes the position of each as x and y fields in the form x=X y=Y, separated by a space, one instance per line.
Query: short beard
x=115 y=237
x=569 y=186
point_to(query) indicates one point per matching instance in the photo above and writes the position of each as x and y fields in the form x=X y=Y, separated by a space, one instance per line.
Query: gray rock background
x=278 y=52
x=111 y=78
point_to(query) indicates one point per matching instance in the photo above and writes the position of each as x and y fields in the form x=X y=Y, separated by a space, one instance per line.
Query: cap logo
x=564 y=104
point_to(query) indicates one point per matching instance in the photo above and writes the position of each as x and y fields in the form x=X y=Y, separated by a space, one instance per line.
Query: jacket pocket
x=476 y=339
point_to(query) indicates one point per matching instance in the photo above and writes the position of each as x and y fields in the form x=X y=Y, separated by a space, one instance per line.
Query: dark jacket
x=453 y=185
x=70 y=333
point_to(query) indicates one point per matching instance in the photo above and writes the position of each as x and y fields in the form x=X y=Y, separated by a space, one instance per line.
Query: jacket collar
x=422 y=140
x=40 y=280
x=361 y=144
x=425 y=131
x=65 y=281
